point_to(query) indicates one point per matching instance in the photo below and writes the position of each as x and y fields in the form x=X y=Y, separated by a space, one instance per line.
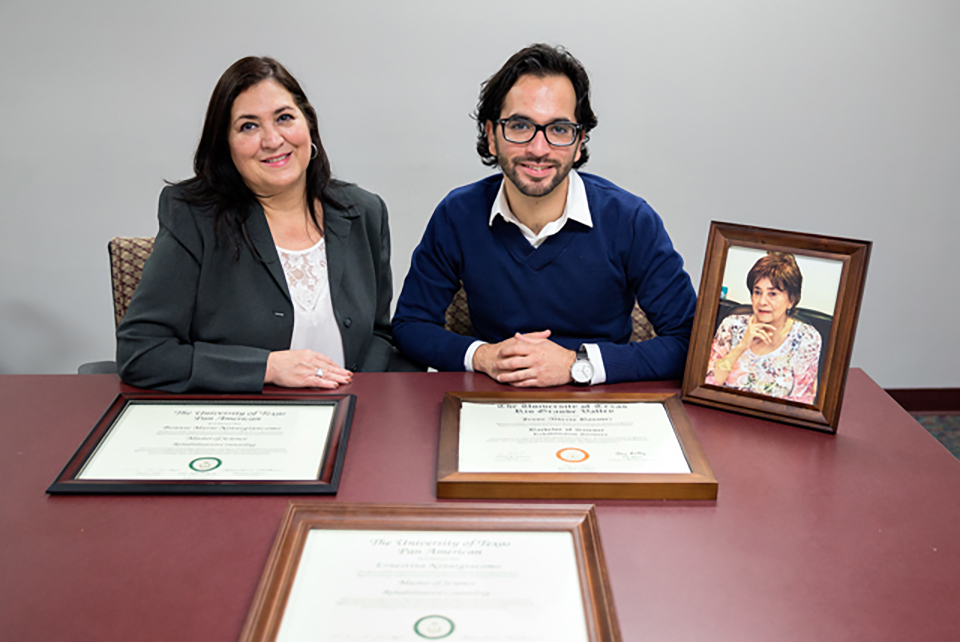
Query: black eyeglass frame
x=539 y=128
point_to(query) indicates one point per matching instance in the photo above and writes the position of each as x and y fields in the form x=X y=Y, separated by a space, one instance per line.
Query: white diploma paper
x=481 y=586
x=565 y=437
x=213 y=441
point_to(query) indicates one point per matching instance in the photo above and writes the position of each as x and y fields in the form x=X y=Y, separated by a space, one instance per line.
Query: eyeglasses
x=559 y=134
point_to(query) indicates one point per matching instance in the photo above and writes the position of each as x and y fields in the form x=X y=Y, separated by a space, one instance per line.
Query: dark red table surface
x=813 y=536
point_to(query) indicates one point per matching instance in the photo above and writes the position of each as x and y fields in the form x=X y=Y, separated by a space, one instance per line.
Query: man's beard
x=526 y=186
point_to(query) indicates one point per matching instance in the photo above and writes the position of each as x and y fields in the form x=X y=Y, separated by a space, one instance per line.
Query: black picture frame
x=328 y=475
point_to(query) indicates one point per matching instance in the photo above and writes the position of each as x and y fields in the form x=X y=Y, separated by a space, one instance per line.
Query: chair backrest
x=821 y=322
x=458 y=319
x=458 y=315
x=127 y=256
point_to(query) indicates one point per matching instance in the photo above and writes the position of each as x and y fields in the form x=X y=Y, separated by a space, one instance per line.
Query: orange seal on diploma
x=573 y=455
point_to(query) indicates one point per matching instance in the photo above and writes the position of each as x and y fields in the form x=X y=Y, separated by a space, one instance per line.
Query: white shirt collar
x=576 y=209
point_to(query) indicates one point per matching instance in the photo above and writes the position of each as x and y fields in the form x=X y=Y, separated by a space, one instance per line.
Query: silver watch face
x=582 y=371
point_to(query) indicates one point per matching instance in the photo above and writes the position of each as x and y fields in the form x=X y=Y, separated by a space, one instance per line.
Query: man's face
x=536 y=168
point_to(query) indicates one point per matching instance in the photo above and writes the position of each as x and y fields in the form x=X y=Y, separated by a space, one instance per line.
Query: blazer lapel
x=262 y=242
x=336 y=225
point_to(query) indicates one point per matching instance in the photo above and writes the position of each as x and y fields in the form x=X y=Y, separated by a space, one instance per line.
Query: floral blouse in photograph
x=789 y=372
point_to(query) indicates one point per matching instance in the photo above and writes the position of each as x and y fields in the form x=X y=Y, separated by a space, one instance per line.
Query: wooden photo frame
x=312 y=590
x=452 y=482
x=229 y=437
x=799 y=377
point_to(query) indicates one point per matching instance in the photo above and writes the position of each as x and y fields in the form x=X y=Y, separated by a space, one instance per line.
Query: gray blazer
x=204 y=318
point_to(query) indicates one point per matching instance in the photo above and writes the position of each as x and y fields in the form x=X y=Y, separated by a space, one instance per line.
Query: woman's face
x=269 y=139
x=770 y=304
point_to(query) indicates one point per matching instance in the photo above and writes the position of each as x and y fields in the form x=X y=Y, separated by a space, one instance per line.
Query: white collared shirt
x=577 y=209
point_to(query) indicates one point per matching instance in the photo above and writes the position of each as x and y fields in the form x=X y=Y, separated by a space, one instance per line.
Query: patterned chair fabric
x=458 y=315
x=642 y=328
x=458 y=319
x=127 y=256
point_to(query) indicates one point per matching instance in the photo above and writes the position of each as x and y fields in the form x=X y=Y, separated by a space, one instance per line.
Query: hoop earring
x=315 y=150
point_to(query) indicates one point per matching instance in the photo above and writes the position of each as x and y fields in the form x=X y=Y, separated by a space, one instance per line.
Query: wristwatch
x=582 y=370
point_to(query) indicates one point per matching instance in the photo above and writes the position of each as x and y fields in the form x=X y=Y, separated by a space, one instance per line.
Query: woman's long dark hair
x=217 y=183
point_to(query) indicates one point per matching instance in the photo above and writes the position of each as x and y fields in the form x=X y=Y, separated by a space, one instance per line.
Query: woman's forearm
x=723 y=367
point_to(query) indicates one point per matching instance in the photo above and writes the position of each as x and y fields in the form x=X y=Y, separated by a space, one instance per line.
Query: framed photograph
x=455 y=571
x=238 y=444
x=776 y=316
x=569 y=445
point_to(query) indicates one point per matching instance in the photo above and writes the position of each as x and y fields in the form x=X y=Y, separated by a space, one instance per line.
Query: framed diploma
x=570 y=445
x=434 y=572
x=775 y=322
x=239 y=444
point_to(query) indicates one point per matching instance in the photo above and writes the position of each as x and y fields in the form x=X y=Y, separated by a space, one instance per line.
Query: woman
x=265 y=269
x=769 y=352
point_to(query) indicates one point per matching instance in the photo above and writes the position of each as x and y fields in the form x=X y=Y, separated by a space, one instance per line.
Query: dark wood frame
x=700 y=483
x=266 y=612
x=328 y=477
x=824 y=415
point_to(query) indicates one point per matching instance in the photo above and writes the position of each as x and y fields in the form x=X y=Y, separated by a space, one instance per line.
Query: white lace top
x=314 y=324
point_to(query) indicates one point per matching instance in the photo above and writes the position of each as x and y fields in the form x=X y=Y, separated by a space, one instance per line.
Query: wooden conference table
x=813 y=537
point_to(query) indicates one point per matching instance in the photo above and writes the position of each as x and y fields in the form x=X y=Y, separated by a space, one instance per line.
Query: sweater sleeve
x=664 y=292
x=428 y=289
x=154 y=348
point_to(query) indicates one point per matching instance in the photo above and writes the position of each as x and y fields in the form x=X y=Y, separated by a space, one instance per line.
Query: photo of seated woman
x=771 y=346
x=266 y=269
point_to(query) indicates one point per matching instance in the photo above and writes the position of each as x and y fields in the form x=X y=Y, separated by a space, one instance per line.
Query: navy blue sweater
x=581 y=283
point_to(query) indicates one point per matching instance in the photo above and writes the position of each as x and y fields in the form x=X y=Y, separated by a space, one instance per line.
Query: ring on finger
x=320 y=372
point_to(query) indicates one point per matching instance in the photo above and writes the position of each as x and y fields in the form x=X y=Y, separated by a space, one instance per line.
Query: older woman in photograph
x=265 y=269
x=768 y=352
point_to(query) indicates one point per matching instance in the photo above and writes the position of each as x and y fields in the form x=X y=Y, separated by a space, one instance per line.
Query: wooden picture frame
x=833 y=265
x=328 y=474
x=272 y=598
x=699 y=484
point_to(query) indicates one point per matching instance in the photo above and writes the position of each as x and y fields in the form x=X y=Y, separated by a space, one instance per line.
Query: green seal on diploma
x=433 y=627
x=205 y=464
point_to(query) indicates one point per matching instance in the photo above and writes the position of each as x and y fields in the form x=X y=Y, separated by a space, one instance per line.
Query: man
x=552 y=261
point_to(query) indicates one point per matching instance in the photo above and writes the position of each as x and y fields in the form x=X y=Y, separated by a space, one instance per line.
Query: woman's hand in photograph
x=757 y=332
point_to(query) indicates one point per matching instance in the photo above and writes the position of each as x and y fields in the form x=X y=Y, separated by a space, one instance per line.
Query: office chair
x=127 y=256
